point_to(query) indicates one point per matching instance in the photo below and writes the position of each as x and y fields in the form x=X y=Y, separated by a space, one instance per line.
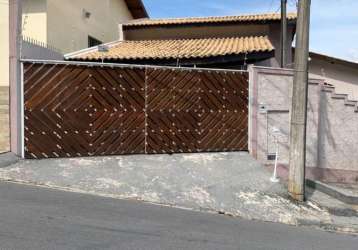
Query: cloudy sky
x=334 y=23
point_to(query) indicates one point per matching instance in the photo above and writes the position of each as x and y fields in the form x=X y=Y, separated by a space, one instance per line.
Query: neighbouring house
x=51 y=28
x=66 y=25
x=234 y=42
x=217 y=42
x=342 y=74
x=72 y=25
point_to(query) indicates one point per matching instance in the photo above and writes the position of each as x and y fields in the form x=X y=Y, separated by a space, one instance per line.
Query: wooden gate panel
x=170 y=132
x=224 y=114
x=81 y=111
x=172 y=99
x=73 y=110
x=196 y=111
x=224 y=132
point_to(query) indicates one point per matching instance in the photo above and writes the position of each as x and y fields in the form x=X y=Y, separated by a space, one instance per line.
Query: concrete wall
x=68 y=29
x=4 y=45
x=332 y=131
x=34 y=50
x=343 y=77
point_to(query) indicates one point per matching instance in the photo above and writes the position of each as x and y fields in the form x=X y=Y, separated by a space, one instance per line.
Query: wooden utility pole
x=15 y=40
x=283 y=33
x=296 y=182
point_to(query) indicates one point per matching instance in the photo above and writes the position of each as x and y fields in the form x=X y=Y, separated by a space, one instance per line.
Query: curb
x=332 y=191
x=7 y=159
x=337 y=228
x=316 y=224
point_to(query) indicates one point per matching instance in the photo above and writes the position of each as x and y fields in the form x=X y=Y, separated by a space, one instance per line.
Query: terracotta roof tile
x=182 y=49
x=208 y=20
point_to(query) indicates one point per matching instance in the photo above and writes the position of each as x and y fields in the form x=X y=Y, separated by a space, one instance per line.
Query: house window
x=93 y=42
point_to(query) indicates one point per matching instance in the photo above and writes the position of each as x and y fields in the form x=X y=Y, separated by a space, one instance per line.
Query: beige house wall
x=190 y=32
x=343 y=77
x=4 y=45
x=68 y=29
x=62 y=25
x=34 y=19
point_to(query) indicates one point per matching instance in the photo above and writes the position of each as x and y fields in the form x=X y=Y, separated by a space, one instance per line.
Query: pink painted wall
x=332 y=131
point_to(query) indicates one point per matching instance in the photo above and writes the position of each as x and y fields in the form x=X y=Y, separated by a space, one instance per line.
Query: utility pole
x=283 y=33
x=15 y=40
x=296 y=182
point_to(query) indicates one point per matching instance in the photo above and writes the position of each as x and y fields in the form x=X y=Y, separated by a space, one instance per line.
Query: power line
x=293 y=3
x=278 y=9
x=271 y=5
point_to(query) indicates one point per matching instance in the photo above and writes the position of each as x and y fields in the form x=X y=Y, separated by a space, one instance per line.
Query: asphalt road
x=38 y=218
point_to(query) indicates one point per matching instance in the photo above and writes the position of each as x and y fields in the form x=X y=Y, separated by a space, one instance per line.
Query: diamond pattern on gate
x=80 y=111
x=196 y=112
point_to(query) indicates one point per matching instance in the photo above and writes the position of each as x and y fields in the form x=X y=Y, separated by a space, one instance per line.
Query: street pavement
x=231 y=183
x=39 y=218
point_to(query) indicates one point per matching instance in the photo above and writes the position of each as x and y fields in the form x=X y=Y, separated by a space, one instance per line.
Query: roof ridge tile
x=209 y=19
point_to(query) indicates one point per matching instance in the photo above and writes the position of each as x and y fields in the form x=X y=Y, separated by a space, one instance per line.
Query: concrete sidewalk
x=229 y=183
x=7 y=159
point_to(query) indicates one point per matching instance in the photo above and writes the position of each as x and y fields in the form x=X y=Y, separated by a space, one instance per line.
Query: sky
x=334 y=23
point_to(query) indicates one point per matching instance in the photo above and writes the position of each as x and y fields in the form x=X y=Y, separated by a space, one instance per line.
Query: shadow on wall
x=324 y=133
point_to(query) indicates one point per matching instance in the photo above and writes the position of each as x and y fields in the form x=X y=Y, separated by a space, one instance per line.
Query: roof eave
x=333 y=59
x=87 y=50
x=137 y=9
x=259 y=53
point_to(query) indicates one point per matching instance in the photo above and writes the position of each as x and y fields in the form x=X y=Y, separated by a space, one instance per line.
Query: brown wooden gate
x=73 y=110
